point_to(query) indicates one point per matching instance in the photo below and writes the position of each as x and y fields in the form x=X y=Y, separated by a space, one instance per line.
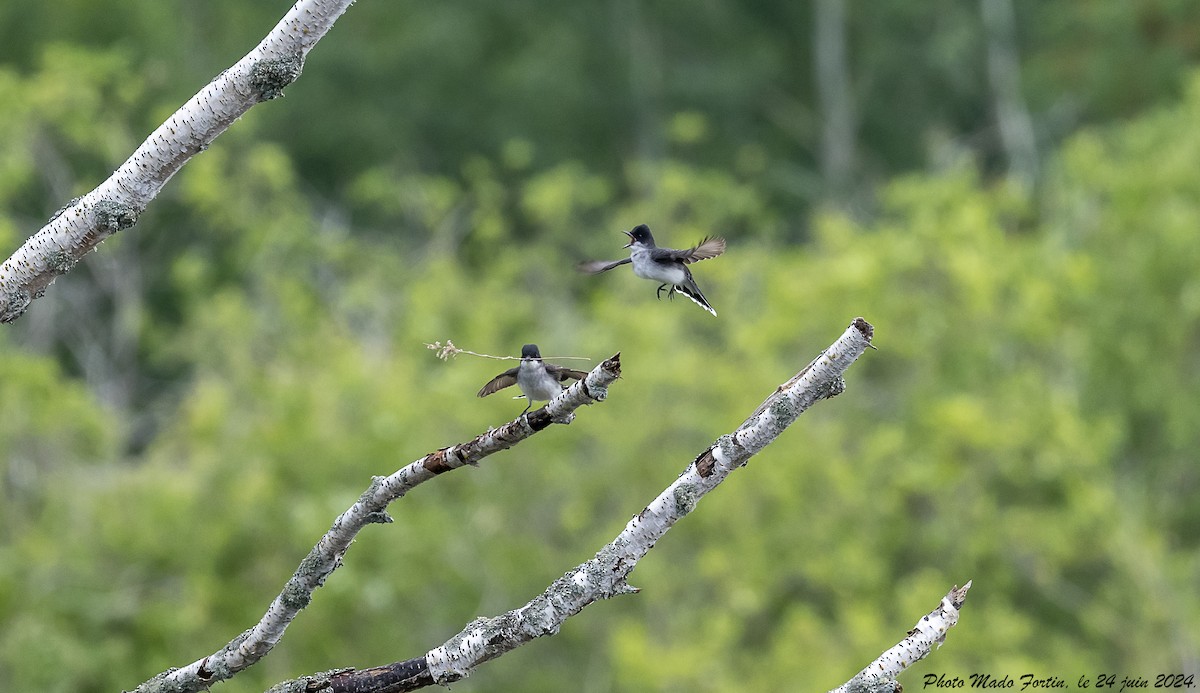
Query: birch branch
x=371 y=507
x=880 y=675
x=83 y=223
x=604 y=576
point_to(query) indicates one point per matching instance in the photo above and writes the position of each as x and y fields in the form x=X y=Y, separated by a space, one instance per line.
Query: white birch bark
x=83 y=223
x=880 y=675
x=371 y=507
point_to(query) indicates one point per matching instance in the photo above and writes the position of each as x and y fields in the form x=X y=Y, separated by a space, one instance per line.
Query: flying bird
x=537 y=379
x=664 y=265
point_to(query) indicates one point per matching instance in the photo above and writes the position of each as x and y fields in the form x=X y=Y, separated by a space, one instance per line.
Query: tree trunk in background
x=1004 y=74
x=838 y=121
x=645 y=79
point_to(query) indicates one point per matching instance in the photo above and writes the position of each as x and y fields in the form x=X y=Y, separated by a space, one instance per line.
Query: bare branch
x=371 y=507
x=604 y=576
x=84 y=222
x=880 y=675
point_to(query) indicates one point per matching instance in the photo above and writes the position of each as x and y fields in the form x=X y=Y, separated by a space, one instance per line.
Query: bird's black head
x=530 y=351
x=640 y=234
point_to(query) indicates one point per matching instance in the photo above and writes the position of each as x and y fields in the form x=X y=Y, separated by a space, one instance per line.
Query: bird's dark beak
x=630 y=239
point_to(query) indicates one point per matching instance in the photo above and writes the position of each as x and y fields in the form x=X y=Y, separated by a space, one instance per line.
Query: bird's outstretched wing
x=563 y=374
x=598 y=266
x=710 y=247
x=506 y=379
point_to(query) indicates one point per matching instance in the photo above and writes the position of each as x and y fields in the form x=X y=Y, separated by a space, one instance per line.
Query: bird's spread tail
x=692 y=291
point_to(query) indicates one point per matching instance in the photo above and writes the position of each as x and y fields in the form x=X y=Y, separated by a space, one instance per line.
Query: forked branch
x=605 y=575
x=371 y=507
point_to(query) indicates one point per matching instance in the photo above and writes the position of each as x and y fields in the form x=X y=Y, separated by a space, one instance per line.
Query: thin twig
x=448 y=351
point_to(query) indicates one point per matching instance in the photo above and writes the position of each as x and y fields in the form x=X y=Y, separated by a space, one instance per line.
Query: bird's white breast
x=647 y=268
x=535 y=382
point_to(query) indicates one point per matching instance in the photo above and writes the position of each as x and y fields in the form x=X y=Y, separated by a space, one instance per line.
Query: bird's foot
x=659 y=292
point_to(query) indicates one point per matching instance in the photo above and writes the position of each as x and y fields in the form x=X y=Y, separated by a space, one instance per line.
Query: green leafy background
x=184 y=414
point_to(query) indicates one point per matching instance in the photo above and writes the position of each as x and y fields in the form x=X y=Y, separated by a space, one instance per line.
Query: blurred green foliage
x=430 y=87
x=187 y=411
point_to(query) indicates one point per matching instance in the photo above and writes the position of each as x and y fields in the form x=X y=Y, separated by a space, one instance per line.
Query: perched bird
x=537 y=379
x=663 y=265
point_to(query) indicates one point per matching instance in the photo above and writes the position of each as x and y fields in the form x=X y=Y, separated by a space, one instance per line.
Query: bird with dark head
x=666 y=266
x=537 y=379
